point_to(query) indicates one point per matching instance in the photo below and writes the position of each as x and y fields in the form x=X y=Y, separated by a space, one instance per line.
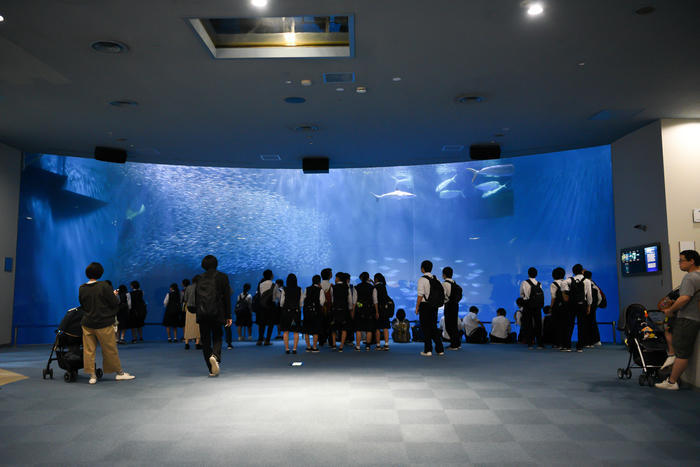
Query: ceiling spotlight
x=581 y=63
x=535 y=9
x=2 y=18
x=289 y=81
x=396 y=79
x=259 y=3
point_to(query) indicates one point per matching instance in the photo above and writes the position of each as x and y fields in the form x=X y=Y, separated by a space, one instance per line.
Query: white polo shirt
x=500 y=327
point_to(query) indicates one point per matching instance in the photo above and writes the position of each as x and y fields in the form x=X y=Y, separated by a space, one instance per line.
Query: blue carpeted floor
x=491 y=404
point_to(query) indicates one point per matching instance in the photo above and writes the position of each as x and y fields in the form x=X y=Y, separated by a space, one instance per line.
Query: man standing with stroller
x=684 y=327
x=213 y=301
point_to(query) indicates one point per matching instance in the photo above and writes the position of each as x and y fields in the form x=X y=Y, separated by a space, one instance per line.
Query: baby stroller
x=645 y=342
x=68 y=347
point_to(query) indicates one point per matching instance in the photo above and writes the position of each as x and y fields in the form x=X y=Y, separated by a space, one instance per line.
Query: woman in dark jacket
x=100 y=305
x=123 y=313
x=137 y=312
x=173 y=308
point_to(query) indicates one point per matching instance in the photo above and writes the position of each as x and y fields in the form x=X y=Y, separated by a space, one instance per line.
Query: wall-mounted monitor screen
x=640 y=260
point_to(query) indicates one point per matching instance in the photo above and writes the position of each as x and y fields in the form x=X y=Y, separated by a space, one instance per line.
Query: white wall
x=10 y=170
x=640 y=198
x=681 y=150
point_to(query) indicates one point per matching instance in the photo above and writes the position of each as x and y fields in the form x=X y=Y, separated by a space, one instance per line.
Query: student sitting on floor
x=401 y=327
x=473 y=328
x=500 y=328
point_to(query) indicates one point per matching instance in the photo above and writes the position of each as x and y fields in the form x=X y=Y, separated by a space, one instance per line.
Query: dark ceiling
x=541 y=80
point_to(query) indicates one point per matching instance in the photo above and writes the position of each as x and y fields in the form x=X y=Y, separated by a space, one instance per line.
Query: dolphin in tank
x=503 y=170
x=131 y=214
x=445 y=183
x=490 y=188
x=396 y=194
x=449 y=194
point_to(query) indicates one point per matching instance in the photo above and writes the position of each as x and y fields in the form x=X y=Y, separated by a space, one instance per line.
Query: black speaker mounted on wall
x=110 y=154
x=314 y=165
x=485 y=151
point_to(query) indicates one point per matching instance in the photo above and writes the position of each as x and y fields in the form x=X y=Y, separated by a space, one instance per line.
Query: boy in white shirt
x=473 y=328
x=500 y=328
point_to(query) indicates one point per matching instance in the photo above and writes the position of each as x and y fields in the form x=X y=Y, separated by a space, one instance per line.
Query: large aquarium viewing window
x=488 y=220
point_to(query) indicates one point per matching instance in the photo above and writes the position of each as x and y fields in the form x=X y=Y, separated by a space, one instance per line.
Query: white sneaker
x=666 y=384
x=427 y=354
x=441 y=353
x=124 y=376
x=598 y=344
x=93 y=379
x=214 y=365
x=669 y=361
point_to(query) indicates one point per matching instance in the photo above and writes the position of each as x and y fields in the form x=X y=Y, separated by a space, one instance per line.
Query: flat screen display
x=640 y=260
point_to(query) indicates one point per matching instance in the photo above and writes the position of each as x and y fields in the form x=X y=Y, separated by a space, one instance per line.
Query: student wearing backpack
x=431 y=296
x=351 y=316
x=366 y=311
x=598 y=296
x=265 y=311
x=559 y=292
x=191 y=327
x=580 y=300
x=244 y=313
x=340 y=311
x=290 y=312
x=213 y=300
x=533 y=297
x=276 y=315
x=326 y=318
x=385 y=307
x=313 y=300
x=453 y=294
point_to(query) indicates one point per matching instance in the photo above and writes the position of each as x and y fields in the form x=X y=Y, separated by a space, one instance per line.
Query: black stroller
x=68 y=347
x=645 y=342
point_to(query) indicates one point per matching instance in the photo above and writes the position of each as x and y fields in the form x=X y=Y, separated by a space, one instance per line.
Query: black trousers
x=428 y=323
x=578 y=315
x=532 y=326
x=452 y=326
x=262 y=334
x=508 y=340
x=210 y=338
x=228 y=334
x=594 y=332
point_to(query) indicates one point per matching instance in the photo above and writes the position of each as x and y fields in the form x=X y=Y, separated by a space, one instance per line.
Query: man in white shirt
x=500 y=328
x=427 y=312
x=580 y=300
x=532 y=295
x=593 y=331
x=559 y=292
x=451 y=310
x=473 y=328
x=264 y=313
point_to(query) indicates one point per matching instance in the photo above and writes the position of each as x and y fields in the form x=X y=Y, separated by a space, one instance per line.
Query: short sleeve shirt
x=690 y=286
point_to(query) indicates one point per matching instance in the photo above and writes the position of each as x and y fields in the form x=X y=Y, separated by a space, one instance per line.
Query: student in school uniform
x=326 y=318
x=366 y=311
x=291 y=302
x=313 y=300
x=473 y=328
x=427 y=309
x=266 y=308
x=351 y=326
x=244 y=313
x=500 y=329
x=593 y=331
x=340 y=311
x=451 y=310
x=386 y=310
x=533 y=298
x=580 y=300
x=559 y=292
x=279 y=285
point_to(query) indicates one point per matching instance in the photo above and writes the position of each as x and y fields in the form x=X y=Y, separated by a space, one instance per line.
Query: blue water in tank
x=490 y=221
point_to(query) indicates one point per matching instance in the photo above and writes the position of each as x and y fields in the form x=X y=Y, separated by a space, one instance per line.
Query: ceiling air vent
x=270 y=157
x=277 y=37
x=452 y=148
x=615 y=114
x=335 y=78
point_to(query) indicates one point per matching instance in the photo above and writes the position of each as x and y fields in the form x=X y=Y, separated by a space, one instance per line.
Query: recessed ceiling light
x=645 y=10
x=396 y=79
x=340 y=89
x=289 y=81
x=581 y=63
x=535 y=9
x=361 y=90
x=259 y=3
x=2 y=18
x=294 y=100
x=109 y=47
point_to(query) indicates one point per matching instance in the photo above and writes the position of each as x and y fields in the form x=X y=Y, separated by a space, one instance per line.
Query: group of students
x=574 y=301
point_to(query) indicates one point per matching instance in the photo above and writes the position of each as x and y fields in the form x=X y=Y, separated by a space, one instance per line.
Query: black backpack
x=241 y=305
x=265 y=301
x=436 y=299
x=558 y=296
x=603 y=300
x=207 y=302
x=536 y=299
x=455 y=293
x=577 y=292
x=386 y=304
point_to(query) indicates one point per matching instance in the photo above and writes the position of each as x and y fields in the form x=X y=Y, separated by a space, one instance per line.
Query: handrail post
x=614 y=332
x=16 y=336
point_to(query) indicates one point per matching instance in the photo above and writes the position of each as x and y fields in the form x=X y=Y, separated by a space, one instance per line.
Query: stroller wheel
x=44 y=372
x=620 y=373
x=99 y=373
x=642 y=380
x=628 y=373
x=651 y=381
x=51 y=373
x=66 y=377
